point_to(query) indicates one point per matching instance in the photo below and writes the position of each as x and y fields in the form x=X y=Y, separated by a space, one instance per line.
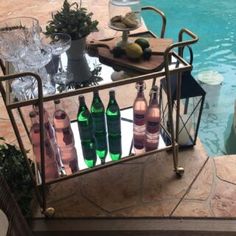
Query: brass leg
x=49 y=212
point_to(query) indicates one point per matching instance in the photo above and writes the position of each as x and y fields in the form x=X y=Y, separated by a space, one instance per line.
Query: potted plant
x=76 y=21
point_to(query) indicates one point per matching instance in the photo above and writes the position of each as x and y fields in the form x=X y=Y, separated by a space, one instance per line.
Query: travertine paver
x=67 y=196
x=137 y=188
x=113 y=188
x=213 y=194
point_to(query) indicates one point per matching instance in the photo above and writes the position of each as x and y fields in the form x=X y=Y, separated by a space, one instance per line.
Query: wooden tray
x=155 y=63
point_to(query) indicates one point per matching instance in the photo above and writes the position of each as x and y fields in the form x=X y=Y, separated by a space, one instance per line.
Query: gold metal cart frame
x=5 y=91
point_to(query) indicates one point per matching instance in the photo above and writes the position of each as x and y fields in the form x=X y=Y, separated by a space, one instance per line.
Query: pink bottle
x=50 y=133
x=65 y=138
x=51 y=167
x=152 y=122
x=139 y=112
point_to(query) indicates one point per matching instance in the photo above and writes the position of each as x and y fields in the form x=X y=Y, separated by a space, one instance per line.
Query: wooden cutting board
x=155 y=63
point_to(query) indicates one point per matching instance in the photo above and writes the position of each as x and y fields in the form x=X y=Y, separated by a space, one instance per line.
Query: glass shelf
x=127 y=146
x=103 y=76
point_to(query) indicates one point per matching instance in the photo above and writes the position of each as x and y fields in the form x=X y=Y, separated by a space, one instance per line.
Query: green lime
x=143 y=43
x=147 y=53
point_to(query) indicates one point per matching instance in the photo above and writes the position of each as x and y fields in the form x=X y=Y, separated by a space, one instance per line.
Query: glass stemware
x=37 y=57
x=59 y=43
x=16 y=34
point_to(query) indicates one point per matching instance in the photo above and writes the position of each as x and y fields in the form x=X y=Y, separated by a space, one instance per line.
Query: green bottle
x=84 y=119
x=114 y=127
x=99 y=126
x=85 y=125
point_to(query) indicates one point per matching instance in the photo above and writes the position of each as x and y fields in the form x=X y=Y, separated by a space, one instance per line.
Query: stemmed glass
x=59 y=43
x=15 y=36
x=37 y=56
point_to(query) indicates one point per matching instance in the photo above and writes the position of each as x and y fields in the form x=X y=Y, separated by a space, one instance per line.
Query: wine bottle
x=152 y=122
x=85 y=125
x=65 y=138
x=99 y=126
x=114 y=127
x=51 y=167
x=50 y=133
x=139 y=112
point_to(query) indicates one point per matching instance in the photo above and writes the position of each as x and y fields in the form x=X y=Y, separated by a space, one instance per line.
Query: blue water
x=215 y=24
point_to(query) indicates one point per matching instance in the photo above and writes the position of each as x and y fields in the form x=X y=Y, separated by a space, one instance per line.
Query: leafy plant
x=72 y=19
x=13 y=169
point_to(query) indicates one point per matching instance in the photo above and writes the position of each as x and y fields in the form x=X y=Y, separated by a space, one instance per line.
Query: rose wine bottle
x=85 y=125
x=114 y=127
x=50 y=132
x=51 y=167
x=99 y=126
x=65 y=138
x=139 y=112
x=152 y=122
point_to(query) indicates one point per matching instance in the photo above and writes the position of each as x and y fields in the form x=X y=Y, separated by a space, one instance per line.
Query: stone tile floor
x=145 y=187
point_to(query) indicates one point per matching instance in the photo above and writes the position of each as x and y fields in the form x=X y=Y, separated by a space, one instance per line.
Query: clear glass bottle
x=152 y=122
x=114 y=127
x=51 y=166
x=139 y=112
x=50 y=132
x=65 y=138
x=85 y=125
x=99 y=126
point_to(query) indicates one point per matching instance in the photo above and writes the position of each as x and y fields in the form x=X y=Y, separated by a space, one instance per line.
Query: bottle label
x=86 y=132
x=113 y=126
x=139 y=119
x=101 y=142
x=153 y=126
x=99 y=124
x=68 y=136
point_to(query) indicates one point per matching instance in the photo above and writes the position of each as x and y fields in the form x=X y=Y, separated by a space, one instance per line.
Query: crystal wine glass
x=59 y=43
x=38 y=55
x=15 y=36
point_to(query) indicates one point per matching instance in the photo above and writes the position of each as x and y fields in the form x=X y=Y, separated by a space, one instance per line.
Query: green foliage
x=73 y=20
x=13 y=169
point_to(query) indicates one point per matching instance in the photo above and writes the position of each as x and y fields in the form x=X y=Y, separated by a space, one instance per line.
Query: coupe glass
x=37 y=57
x=59 y=43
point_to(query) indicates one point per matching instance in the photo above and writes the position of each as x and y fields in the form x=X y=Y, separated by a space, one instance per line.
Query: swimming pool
x=215 y=24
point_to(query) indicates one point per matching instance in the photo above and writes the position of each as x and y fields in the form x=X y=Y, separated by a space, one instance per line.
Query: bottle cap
x=95 y=92
x=57 y=101
x=154 y=88
x=32 y=114
x=140 y=84
x=81 y=98
x=112 y=92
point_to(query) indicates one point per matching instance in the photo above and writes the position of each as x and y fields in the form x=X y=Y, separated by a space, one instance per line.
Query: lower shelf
x=127 y=147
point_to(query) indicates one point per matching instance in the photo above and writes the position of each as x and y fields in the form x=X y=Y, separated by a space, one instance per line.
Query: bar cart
x=172 y=62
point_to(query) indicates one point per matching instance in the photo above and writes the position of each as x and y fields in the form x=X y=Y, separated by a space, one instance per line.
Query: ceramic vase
x=77 y=63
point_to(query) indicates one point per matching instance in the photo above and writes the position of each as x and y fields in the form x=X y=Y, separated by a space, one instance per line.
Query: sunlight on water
x=215 y=24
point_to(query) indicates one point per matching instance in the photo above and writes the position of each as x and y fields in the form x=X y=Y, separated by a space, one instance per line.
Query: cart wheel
x=179 y=171
x=49 y=212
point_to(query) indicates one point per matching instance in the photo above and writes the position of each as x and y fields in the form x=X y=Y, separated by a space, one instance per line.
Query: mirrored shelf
x=126 y=147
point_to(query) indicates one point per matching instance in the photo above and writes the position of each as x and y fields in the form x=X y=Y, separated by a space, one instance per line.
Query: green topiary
x=13 y=169
x=72 y=19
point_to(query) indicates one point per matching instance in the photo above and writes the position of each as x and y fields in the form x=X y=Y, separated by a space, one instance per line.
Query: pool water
x=215 y=24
